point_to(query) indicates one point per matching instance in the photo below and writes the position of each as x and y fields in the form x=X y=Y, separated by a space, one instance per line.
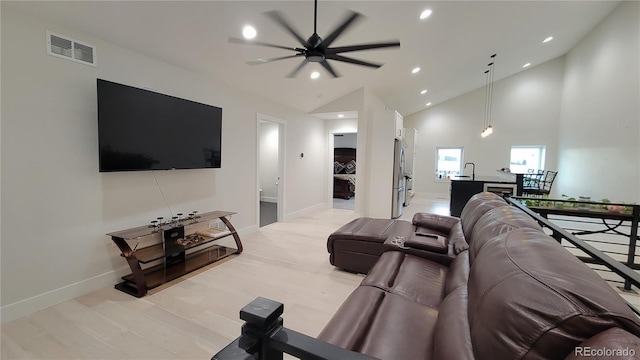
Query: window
x=527 y=159
x=448 y=162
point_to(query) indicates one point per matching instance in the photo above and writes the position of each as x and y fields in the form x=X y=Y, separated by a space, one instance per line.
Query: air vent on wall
x=65 y=47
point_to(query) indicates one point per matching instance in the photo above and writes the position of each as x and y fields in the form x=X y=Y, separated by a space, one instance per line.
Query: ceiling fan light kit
x=315 y=49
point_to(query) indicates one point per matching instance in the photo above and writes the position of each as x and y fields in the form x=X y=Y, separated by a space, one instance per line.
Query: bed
x=344 y=172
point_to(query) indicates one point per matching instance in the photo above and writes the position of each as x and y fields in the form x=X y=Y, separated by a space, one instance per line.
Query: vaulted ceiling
x=452 y=46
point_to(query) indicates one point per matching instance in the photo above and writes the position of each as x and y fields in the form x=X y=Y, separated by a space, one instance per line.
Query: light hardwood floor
x=196 y=317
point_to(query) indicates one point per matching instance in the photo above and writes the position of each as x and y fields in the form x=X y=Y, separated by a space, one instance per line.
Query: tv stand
x=172 y=250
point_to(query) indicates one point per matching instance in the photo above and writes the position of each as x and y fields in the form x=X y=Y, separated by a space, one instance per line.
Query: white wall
x=56 y=206
x=525 y=110
x=599 y=122
x=342 y=140
x=381 y=155
x=366 y=104
x=268 y=162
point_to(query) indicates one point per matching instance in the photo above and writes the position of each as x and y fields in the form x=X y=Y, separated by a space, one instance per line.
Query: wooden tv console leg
x=136 y=270
x=233 y=231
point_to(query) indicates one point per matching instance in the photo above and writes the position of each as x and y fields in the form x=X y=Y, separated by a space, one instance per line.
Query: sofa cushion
x=382 y=325
x=519 y=306
x=451 y=337
x=363 y=229
x=414 y=278
x=498 y=221
x=458 y=274
x=477 y=206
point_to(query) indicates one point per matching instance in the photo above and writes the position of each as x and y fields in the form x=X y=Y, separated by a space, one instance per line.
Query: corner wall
x=600 y=117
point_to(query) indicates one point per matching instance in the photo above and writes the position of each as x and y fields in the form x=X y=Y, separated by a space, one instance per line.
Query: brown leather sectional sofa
x=515 y=293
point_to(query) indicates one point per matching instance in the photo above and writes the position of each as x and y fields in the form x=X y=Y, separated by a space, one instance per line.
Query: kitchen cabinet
x=399 y=125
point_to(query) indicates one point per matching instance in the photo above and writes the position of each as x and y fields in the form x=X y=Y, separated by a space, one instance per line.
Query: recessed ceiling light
x=526 y=65
x=423 y=92
x=249 y=32
x=415 y=70
x=315 y=75
x=340 y=115
x=547 y=39
x=428 y=104
x=425 y=14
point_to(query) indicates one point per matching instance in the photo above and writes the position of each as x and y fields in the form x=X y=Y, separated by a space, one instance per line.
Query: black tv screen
x=143 y=130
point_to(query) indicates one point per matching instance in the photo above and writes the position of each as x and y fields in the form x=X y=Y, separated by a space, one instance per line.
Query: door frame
x=282 y=131
x=330 y=147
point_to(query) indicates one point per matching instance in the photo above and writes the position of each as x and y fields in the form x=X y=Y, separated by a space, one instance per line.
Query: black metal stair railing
x=576 y=212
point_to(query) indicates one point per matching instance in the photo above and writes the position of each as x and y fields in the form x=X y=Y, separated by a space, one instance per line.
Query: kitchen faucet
x=473 y=169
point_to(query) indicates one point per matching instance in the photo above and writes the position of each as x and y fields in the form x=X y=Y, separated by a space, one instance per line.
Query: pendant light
x=487 y=129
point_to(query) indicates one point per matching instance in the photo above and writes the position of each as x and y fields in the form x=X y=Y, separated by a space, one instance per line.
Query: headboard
x=344 y=155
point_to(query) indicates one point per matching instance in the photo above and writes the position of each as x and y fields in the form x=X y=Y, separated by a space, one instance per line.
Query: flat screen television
x=144 y=130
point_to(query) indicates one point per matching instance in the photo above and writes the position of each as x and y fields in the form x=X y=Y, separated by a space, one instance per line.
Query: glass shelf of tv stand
x=141 y=231
x=155 y=252
x=195 y=252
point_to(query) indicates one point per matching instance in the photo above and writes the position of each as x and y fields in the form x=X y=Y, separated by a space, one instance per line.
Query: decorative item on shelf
x=487 y=129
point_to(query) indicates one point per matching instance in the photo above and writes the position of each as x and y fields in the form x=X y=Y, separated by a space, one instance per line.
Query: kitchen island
x=464 y=187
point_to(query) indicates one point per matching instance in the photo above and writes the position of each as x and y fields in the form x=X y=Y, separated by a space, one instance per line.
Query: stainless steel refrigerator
x=398 y=180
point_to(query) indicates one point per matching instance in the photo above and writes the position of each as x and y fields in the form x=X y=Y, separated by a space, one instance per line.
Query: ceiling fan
x=315 y=49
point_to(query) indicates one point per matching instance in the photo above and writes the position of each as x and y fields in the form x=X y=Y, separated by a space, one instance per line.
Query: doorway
x=344 y=170
x=270 y=169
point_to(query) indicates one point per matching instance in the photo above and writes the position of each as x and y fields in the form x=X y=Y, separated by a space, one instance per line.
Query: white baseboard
x=53 y=297
x=247 y=230
x=42 y=301
x=432 y=195
x=295 y=214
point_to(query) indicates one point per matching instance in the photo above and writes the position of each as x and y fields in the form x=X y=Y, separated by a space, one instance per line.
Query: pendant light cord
x=488 y=97
x=492 y=73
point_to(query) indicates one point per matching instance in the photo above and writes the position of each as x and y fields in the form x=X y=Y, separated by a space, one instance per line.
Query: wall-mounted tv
x=144 y=130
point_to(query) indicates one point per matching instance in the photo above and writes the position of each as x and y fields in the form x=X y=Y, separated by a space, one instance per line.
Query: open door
x=270 y=169
x=344 y=170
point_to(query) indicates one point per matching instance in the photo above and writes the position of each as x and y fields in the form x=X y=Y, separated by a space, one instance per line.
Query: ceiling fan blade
x=360 y=47
x=348 y=21
x=297 y=69
x=264 y=61
x=260 y=43
x=352 y=61
x=327 y=66
x=279 y=18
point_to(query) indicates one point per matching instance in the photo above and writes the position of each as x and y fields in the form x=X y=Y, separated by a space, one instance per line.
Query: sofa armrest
x=443 y=255
x=427 y=242
x=433 y=244
x=436 y=222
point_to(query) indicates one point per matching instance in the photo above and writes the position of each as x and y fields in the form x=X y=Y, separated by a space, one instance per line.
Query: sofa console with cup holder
x=358 y=245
